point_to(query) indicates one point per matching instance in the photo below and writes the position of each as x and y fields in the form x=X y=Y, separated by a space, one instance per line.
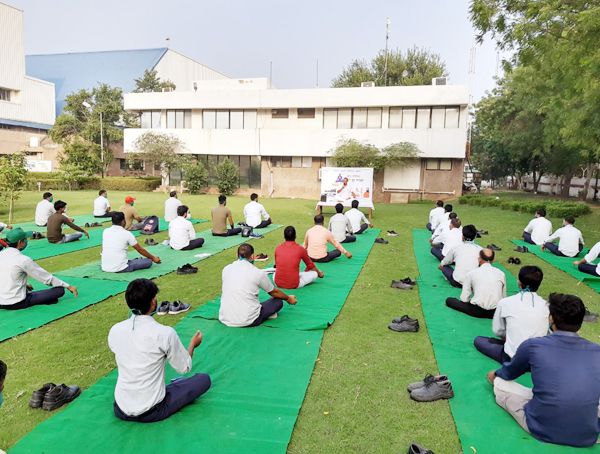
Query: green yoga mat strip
x=80 y=219
x=171 y=259
x=91 y=291
x=313 y=310
x=481 y=423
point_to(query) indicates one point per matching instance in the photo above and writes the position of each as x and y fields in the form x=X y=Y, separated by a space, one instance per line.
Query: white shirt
x=15 y=267
x=569 y=238
x=440 y=230
x=437 y=211
x=101 y=205
x=357 y=218
x=487 y=284
x=43 y=210
x=465 y=257
x=254 y=213
x=142 y=347
x=451 y=238
x=115 y=242
x=339 y=226
x=181 y=232
x=540 y=229
x=239 y=298
x=439 y=219
x=520 y=317
x=593 y=255
x=344 y=194
x=171 y=205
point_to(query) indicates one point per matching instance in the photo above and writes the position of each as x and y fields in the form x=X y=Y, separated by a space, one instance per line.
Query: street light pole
x=387 y=38
x=102 y=143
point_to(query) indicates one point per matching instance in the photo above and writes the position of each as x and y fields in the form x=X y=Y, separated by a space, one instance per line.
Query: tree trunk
x=588 y=180
x=565 y=189
x=536 y=182
x=11 y=204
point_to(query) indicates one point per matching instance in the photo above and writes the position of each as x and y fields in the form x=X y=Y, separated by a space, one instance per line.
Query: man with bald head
x=482 y=289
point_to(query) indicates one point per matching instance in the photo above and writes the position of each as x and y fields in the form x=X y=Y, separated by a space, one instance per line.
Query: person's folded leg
x=470 y=309
x=428 y=227
x=589 y=268
x=70 y=237
x=362 y=229
x=448 y=273
x=194 y=244
x=233 y=232
x=307 y=277
x=552 y=247
x=492 y=348
x=349 y=239
x=513 y=397
x=267 y=308
x=40 y=298
x=331 y=255
x=140 y=263
x=527 y=238
x=263 y=224
x=437 y=253
x=137 y=226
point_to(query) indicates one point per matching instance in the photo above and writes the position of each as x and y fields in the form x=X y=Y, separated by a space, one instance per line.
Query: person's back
x=171 y=205
x=540 y=228
x=181 y=232
x=339 y=226
x=466 y=258
x=11 y=260
x=316 y=239
x=43 y=210
x=488 y=284
x=288 y=256
x=219 y=215
x=115 y=242
x=434 y=213
x=101 y=205
x=357 y=219
x=451 y=238
x=54 y=227
x=130 y=215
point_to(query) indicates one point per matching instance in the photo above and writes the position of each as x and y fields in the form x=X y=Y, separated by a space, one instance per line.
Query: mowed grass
x=356 y=401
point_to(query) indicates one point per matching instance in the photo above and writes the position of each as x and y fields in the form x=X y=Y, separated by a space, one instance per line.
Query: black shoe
x=482 y=232
x=37 y=398
x=517 y=261
x=409 y=281
x=261 y=257
x=60 y=395
x=187 y=269
x=392 y=233
x=401 y=285
x=87 y=225
x=493 y=247
x=37 y=236
x=511 y=260
x=150 y=242
x=416 y=449
x=522 y=249
x=404 y=324
x=381 y=241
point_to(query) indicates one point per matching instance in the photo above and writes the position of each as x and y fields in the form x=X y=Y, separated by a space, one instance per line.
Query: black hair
x=452 y=215
x=567 y=311
x=222 y=199
x=3 y=371
x=355 y=204
x=245 y=251
x=439 y=203
x=172 y=193
x=182 y=210
x=339 y=207
x=448 y=208
x=289 y=233
x=469 y=232
x=117 y=217
x=319 y=219
x=59 y=205
x=570 y=219
x=139 y=295
x=102 y=191
x=531 y=277
x=456 y=223
x=541 y=212
x=253 y=196
x=487 y=255
x=47 y=195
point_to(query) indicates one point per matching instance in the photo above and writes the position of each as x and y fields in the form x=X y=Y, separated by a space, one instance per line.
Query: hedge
x=554 y=208
x=50 y=181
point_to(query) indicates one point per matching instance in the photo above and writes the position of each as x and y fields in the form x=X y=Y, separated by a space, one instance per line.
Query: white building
x=26 y=103
x=289 y=134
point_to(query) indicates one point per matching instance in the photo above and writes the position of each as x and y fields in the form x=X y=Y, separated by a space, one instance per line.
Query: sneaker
x=37 y=398
x=37 y=236
x=428 y=379
x=590 y=317
x=381 y=241
x=150 y=242
x=256 y=235
x=404 y=318
x=261 y=258
x=522 y=249
x=60 y=395
x=177 y=307
x=392 y=233
x=187 y=269
x=416 y=449
x=432 y=391
x=87 y=225
x=494 y=247
x=409 y=281
x=405 y=326
x=163 y=309
x=482 y=232
x=401 y=285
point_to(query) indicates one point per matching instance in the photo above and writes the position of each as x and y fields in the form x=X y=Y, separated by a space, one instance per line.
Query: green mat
x=80 y=220
x=563 y=263
x=171 y=259
x=481 y=423
x=91 y=291
x=320 y=302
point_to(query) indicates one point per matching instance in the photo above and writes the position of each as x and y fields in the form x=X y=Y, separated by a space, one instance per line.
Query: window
x=302 y=162
x=150 y=119
x=344 y=119
x=438 y=116
x=423 y=118
x=236 y=119
x=179 y=119
x=280 y=113
x=409 y=118
x=452 y=117
x=306 y=113
x=4 y=94
x=249 y=119
x=222 y=119
x=438 y=164
x=359 y=118
x=374 y=117
x=395 y=119
x=330 y=117
x=281 y=161
x=209 y=119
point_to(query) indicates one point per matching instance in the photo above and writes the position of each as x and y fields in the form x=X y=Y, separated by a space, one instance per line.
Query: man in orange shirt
x=315 y=243
x=287 y=263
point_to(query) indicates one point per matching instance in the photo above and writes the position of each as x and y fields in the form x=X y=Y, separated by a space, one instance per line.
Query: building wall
x=302 y=183
x=15 y=140
x=182 y=70
x=12 y=57
x=442 y=184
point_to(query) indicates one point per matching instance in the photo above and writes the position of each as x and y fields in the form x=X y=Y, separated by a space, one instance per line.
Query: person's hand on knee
x=491 y=376
x=73 y=290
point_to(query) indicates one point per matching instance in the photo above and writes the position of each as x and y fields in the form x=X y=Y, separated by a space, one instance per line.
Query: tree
x=150 y=82
x=72 y=175
x=160 y=150
x=227 y=177
x=352 y=153
x=83 y=155
x=414 y=67
x=196 y=176
x=13 y=176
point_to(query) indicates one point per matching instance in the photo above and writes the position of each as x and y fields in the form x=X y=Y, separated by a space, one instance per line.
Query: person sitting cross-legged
x=221 y=215
x=434 y=213
x=538 y=228
x=255 y=214
x=171 y=205
x=441 y=217
x=102 y=205
x=115 y=242
x=450 y=237
x=340 y=226
x=54 y=232
x=482 y=289
x=570 y=240
x=315 y=243
x=182 y=236
x=562 y=406
x=242 y=281
x=15 y=268
x=288 y=256
x=517 y=318
x=465 y=257
x=437 y=235
x=131 y=215
x=142 y=348
x=357 y=219
x=586 y=265
x=44 y=209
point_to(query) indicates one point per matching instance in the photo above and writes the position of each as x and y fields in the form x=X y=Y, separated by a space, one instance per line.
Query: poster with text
x=345 y=184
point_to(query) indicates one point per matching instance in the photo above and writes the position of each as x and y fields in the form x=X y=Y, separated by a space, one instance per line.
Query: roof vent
x=440 y=81
x=368 y=84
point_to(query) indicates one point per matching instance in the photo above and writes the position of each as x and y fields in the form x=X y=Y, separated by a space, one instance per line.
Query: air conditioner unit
x=440 y=81
x=369 y=84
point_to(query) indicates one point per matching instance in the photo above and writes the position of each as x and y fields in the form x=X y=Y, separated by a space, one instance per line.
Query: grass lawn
x=356 y=401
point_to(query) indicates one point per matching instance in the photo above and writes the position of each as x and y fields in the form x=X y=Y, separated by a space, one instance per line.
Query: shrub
x=196 y=177
x=54 y=182
x=554 y=208
x=129 y=183
x=227 y=177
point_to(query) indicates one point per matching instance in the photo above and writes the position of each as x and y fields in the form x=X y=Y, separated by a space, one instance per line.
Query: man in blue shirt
x=562 y=407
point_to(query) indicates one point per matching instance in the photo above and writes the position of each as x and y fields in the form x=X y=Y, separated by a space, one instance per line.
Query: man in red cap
x=131 y=215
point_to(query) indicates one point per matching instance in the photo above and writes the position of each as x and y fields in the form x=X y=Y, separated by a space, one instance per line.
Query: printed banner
x=345 y=184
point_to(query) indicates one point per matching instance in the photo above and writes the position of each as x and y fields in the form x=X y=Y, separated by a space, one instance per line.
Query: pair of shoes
x=401 y=285
x=51 y=396
x=404 y=324
x=174 y=308
x=256 y=235
x=150 y=242
x=590 y=317
x=261 y=257
x=522 y=249
x=392 y=233
x=187 y=269
x=431 y=388
x=494 y=247
x=381 y=241
x=37 y=236
x=514 y=260
x=417 y=449
x=482 y=232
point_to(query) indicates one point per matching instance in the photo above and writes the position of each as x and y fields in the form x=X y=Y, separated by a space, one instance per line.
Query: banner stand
x=344 y=185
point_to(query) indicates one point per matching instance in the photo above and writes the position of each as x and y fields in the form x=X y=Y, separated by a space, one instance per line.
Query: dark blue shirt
x=565 y=371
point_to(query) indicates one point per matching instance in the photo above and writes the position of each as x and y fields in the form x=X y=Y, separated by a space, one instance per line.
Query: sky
x=241 y=38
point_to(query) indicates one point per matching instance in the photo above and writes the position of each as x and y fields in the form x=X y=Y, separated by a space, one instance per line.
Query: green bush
x=129 y=183
x=52 y=181
x=227 y=177
x=196 y=177
x=554 y=208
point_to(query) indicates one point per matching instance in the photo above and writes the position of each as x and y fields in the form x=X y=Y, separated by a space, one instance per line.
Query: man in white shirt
x=517 y=318
x=434 y=213
x=171 y=205
x=436 y=239
x=482 y=289
x=182 y=236
x=570 y=240
x=538 y=228
x=586 y=265
x=142 y=348
x=16 y=267
x=102 y=205
x=357 y=219
x=441 y=217
x=255 y=214
x=465 y=257
x=239 y=299
x=115 y=242
x=449 y=239
x=44 y=209
x=344 y=192
x=340 y=226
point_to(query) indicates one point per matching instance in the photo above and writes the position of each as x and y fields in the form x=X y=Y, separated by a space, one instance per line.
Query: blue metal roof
x=84 y=70
x=25 y=124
